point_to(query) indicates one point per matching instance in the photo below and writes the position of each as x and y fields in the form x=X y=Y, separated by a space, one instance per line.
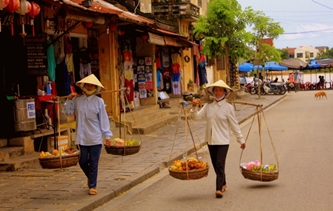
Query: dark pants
x=218 y=154
x=89 y=157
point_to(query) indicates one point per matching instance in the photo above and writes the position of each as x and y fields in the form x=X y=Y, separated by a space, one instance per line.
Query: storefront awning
x=171 y=42
x=156 y=39
x=103 y=7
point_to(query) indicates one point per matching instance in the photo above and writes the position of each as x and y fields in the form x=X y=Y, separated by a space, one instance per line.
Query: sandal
x=92 y=191
x=219 y=194
x=224 y=188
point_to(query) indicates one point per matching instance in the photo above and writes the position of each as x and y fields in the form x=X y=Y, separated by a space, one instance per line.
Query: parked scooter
x=274 y=88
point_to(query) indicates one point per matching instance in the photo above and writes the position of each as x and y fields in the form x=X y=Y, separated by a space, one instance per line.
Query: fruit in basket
x=118 y=142
x=252 y=164
x=121 y=142
x=190 y=164
x=55 y=152
x=264 y=168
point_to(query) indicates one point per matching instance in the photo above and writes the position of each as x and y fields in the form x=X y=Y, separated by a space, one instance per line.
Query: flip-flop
x=218 y=194
x=92 y=191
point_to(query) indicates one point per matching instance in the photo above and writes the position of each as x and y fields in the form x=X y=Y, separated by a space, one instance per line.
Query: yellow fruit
x=174 y=168
x=55 y=152
x=179 y=164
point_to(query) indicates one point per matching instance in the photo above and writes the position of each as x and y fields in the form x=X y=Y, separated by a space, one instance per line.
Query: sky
x=305 y=22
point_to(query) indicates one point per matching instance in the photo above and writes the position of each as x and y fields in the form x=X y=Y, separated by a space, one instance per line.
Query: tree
x=284 y=53
x=224 y=32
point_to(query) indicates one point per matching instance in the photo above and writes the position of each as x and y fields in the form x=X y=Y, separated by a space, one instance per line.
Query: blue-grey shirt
x=92 y=121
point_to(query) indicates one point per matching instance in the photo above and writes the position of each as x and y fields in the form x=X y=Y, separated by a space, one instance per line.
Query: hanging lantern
x=121 y=32
x=3 y=4
x=12 y=6
x=87 y=24
x=144 y=37
x=23 y=9
x=34 y=11
x=113 y=27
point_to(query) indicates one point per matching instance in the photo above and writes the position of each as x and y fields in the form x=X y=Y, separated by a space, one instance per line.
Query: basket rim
x=121 y=147
x=58 y=157
x=193 y=170
x=258 y=172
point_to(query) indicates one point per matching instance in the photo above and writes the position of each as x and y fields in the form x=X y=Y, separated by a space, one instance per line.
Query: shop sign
x=36 y=48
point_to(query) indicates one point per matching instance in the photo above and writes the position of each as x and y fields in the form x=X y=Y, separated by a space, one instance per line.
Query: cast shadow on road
x=261 y=185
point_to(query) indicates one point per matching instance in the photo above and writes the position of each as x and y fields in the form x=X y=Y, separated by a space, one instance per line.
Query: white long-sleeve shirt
x=92 y=121
x=221 y=120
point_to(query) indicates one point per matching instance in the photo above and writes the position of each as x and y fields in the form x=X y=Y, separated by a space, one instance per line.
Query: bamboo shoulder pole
x=97 y=93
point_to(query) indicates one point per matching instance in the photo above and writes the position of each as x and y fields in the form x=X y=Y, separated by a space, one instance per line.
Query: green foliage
x=283 y=54
x=224 y=31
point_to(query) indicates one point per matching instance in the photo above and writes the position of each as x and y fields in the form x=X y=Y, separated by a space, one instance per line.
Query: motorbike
x=255 y=86
x=274 y=88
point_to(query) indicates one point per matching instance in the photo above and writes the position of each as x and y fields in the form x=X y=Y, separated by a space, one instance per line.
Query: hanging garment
x=175 y=68
x=176 y=83
x=51 y=63
x=129 y=76
x=167 y=80
x=85 y=70
x=202 y=74
x=69 y=62
x=63 y=81
x=158 y=79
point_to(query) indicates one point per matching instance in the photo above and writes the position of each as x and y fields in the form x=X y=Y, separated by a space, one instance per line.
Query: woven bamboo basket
x=189 y=175
x=259 y=176
x=122 y=150
x=59 y=162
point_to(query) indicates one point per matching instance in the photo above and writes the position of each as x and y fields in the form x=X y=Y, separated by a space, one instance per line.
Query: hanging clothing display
x=175 y=79
x=51 y=63
x=129 y=84
x=167 y=80
x=202 y=74
x=85 y=70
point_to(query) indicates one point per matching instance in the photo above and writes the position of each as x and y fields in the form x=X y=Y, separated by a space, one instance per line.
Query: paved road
x=300 y=127
x=35 y=188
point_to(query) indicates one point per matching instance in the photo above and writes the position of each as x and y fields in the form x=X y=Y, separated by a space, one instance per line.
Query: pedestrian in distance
x=291 y=82
x=298 y=80
x=92 y=124
x=221 y=120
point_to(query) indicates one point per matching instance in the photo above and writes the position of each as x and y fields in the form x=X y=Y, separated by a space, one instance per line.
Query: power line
x=305 y=32
x=322 y=5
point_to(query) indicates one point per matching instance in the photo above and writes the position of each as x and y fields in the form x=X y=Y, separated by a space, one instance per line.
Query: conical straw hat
x=90 y=79
x=219 y=83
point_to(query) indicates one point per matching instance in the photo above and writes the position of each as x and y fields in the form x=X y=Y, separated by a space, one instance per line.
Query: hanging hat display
x=219 y=83
x=34 y=11
x=23 y=9
x=13 y=5
x=3 y=4
x=90 y=79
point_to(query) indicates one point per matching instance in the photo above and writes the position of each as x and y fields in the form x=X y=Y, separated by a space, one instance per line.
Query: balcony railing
x=182 y=9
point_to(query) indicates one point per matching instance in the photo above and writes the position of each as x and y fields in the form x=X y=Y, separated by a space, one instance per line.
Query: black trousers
x=218 y=154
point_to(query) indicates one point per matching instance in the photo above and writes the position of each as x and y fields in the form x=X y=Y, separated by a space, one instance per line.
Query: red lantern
x=87 y=24
x=121 y=32
x=24 y=8
x=144 y=37
x=12 y=6
x=3 y=4
x=35 y=9
x=113 y=27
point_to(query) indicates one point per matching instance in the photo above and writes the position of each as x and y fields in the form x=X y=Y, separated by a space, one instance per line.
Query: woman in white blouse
x=221 y=120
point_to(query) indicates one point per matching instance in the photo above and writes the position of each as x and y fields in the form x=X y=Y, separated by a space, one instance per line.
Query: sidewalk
x=35 y=188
